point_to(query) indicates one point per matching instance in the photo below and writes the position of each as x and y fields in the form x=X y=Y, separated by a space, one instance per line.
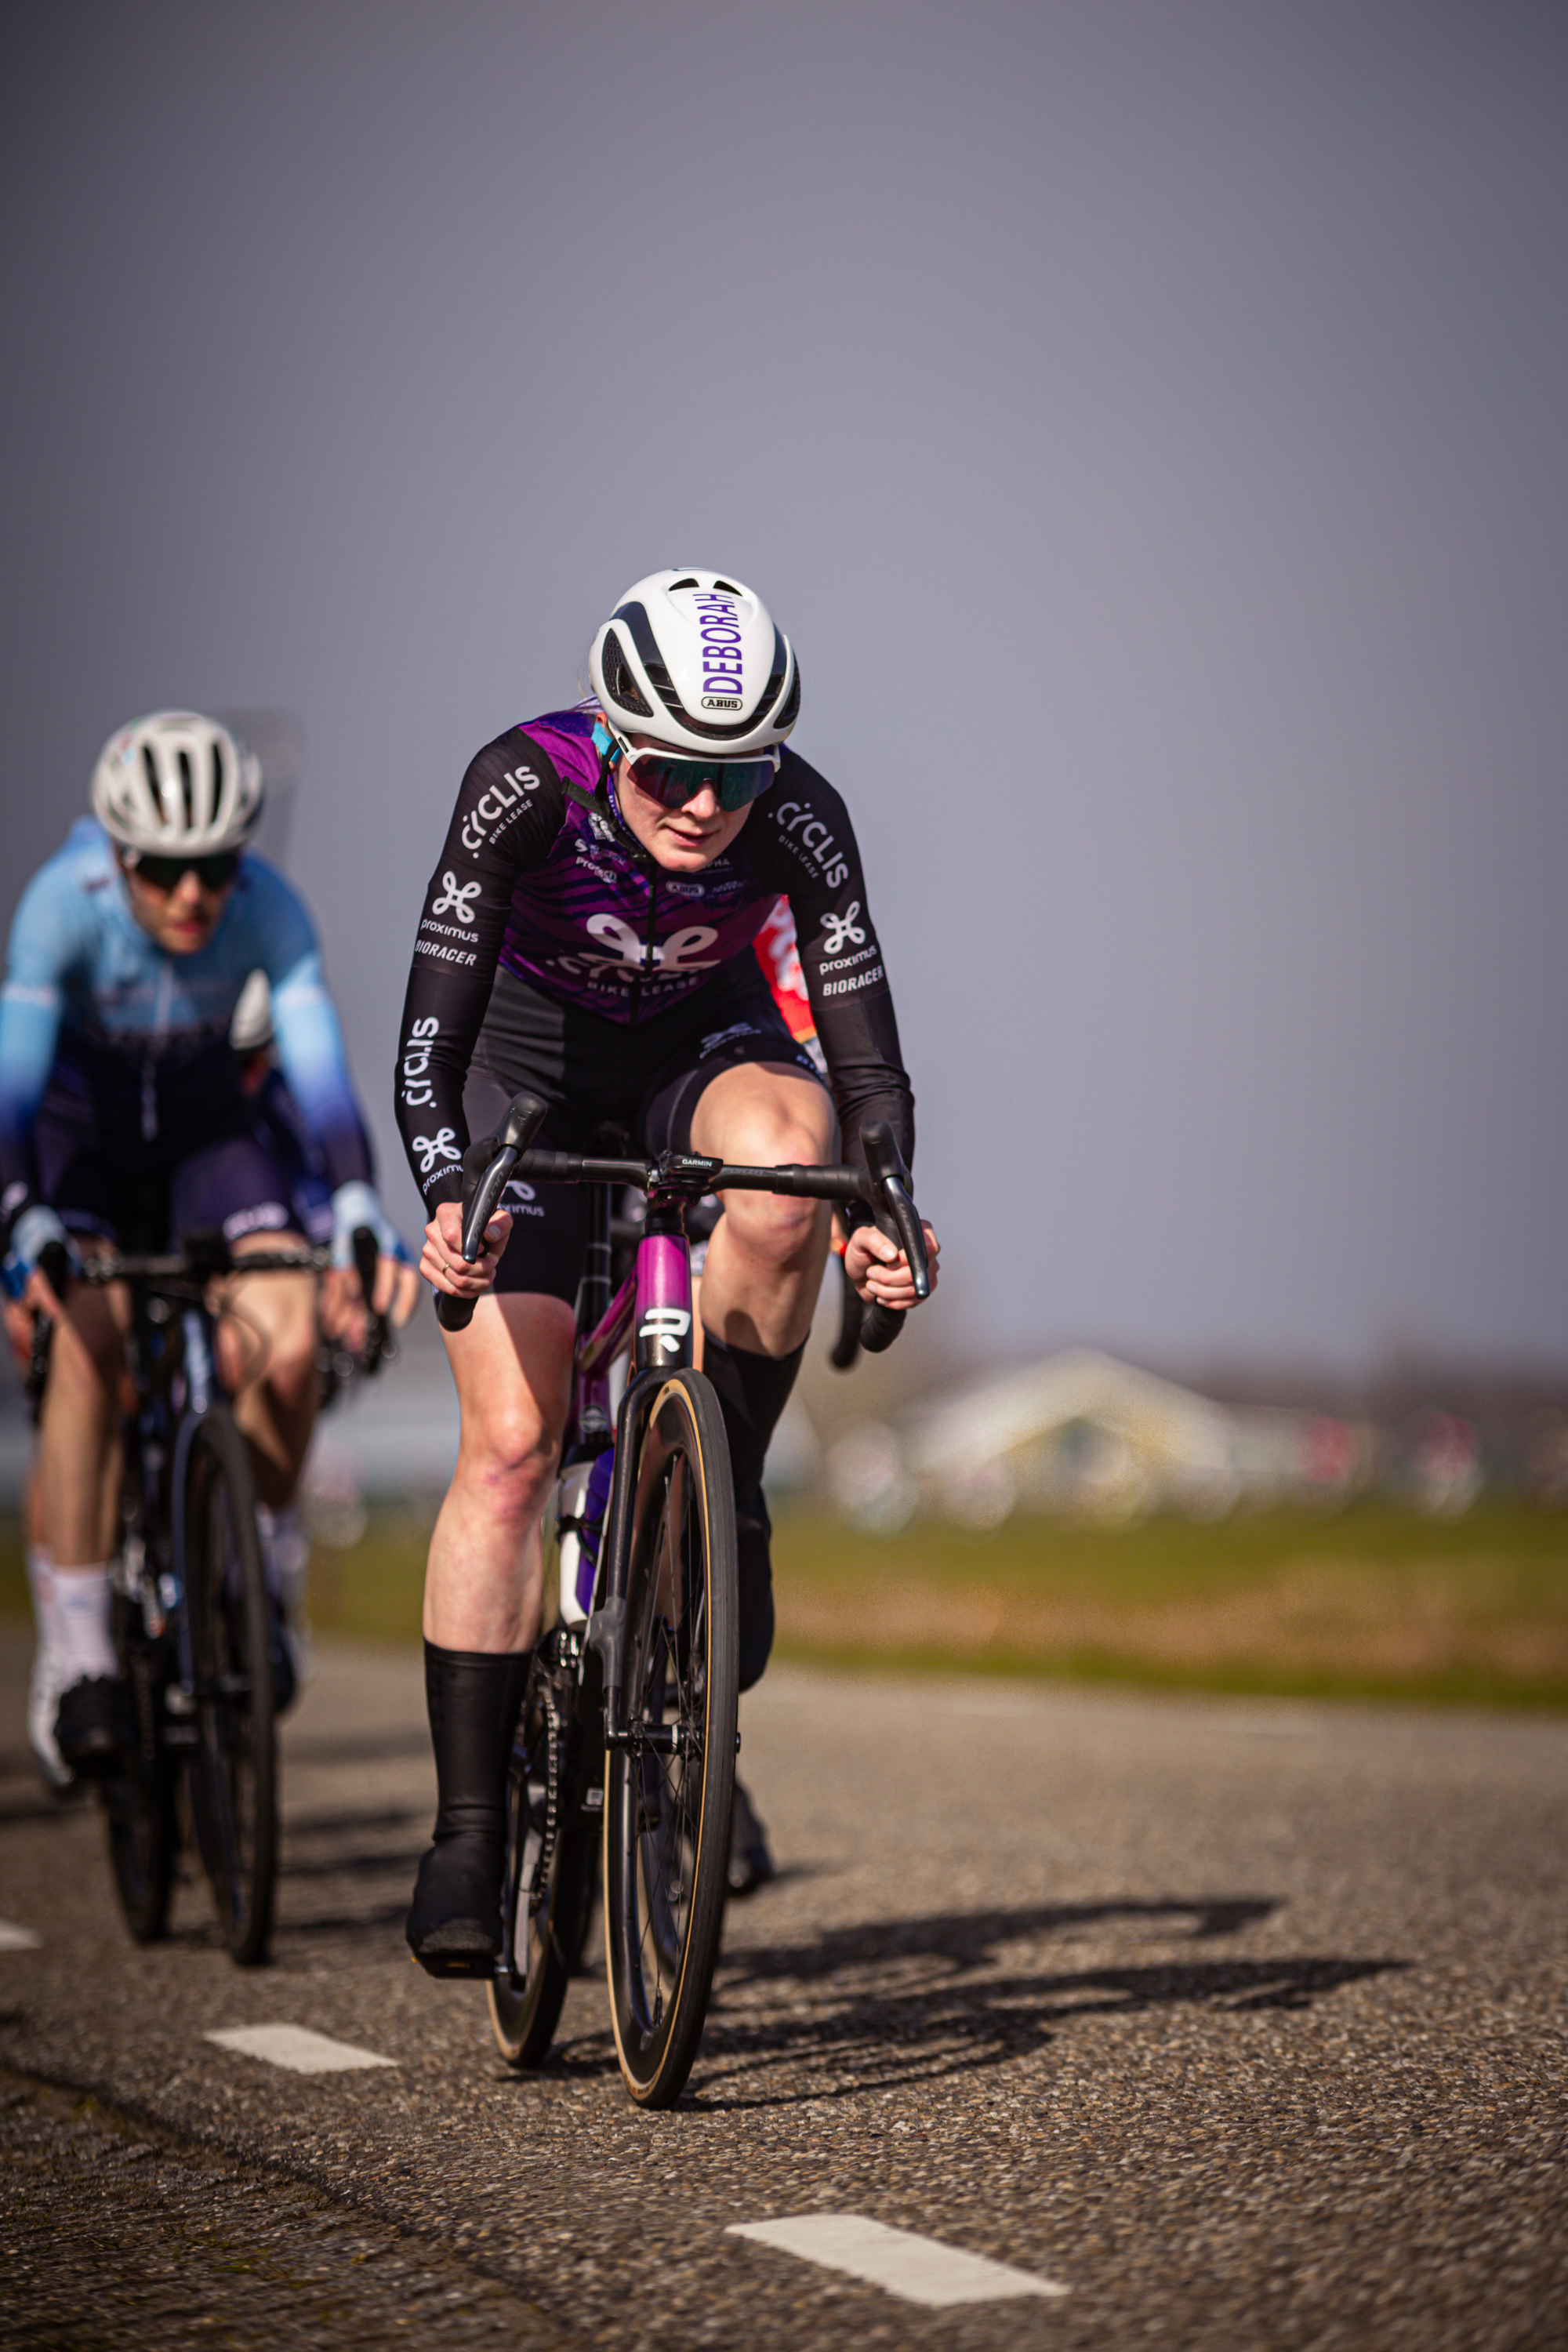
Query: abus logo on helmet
x=718 y=629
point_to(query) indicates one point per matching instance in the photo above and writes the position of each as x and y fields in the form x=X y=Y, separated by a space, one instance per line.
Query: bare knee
x=774 y=1232
x=291 y=1366
x=268 y=1334
x=87 y=1350
x=509 y=1455
x=768 y=1226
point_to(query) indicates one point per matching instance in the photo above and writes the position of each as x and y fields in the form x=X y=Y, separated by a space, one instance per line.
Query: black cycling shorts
x=595 y=1073
x=139 y=1194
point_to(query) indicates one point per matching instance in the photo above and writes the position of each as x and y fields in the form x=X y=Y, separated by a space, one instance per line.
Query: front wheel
x=234 y=1773
x=139 y=1799
x=669 y=1793
x=549 y=1889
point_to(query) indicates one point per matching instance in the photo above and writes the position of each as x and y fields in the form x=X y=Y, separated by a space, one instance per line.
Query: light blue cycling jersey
x=105 y=1031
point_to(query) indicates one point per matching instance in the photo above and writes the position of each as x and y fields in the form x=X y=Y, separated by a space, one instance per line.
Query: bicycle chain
x=553 y=1765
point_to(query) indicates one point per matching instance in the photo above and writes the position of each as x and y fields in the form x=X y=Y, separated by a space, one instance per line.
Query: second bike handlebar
x=202 y=1258
x=490 y=1164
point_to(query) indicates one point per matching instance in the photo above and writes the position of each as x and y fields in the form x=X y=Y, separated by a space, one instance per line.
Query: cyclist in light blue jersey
x=123 y=1123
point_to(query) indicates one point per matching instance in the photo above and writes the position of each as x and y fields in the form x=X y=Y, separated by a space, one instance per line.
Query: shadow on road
x=391 y=1746
x=866 y=2007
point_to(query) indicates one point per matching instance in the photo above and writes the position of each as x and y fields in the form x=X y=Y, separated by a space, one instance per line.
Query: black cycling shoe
x=91 y=1728
x=285 y=1682
x=454 y=1922
x=750 y=1864
x=753 y=1583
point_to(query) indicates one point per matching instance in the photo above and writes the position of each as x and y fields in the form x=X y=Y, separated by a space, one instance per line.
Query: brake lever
x=890 y=1185
x=851 y=1322
x=483 y=1185
x=366 y=1255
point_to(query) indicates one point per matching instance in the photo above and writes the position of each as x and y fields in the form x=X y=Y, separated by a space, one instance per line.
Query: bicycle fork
x=661 y=1345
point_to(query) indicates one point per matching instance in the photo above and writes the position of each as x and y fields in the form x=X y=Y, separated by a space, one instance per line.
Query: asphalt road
x=1244 y=2023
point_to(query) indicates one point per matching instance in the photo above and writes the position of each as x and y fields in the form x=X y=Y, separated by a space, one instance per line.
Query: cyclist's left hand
x=342 y=1305
x=879 y=1270
x=342 y=1308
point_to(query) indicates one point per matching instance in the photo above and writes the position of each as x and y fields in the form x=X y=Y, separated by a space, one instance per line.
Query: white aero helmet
x=693 y=659
x=174 y=782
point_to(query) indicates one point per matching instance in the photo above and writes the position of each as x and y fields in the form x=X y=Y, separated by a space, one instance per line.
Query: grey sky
x=1147 y=420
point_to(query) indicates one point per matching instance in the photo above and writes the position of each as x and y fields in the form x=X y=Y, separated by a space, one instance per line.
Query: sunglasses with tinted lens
x=673 y=782
x=214 y=872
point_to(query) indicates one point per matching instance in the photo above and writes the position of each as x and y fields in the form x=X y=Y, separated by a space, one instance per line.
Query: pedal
x=478 y=1966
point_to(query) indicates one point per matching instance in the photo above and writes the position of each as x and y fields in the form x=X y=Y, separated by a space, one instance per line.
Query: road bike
x=627 y=1730
x=197 y=1636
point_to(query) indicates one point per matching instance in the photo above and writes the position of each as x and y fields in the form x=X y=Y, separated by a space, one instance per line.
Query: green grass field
x=1375 y=1603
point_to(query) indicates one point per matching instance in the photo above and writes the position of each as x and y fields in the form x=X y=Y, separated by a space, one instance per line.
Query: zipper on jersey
x=638 y=859
x=647 y=946
x=154 y=1053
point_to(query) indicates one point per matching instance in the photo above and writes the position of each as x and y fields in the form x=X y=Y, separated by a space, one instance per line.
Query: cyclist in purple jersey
x=587 y=933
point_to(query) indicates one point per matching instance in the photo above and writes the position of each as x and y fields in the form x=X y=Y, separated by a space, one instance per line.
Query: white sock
x=286 y=1549
x=82 y=1599
x=41 y=1584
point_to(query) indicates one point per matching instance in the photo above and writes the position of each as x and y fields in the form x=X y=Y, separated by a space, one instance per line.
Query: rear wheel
x=139 y=1799
x=549 y=1890
x=233 y=1781
x=668 y=1795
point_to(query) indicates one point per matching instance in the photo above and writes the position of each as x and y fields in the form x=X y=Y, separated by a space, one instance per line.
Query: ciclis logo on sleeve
x=417 y=1090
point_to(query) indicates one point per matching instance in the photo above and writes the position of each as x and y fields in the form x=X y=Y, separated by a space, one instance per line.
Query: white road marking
x=17 y=1939
x=917 y=2269
x=296 y=2047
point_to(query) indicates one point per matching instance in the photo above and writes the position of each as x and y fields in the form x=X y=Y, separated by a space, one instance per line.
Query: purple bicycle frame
x=656 y=1297
x=652 y=1309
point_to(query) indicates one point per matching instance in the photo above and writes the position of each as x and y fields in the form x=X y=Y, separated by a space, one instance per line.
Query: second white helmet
x=693 y=661
x=176 y=783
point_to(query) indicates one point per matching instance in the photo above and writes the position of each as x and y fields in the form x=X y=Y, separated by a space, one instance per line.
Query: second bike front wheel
x=669 y=1792
x=233 y=1771
x=139 y=1799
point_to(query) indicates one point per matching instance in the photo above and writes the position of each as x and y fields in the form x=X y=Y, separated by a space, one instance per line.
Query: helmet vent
x=723 y=588
x=791 y=711
x=677 y=584
x=663 y=685
x=187 y=788
x=619 y=684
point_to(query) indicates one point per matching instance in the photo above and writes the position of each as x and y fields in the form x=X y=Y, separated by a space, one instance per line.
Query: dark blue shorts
x=146 y=1197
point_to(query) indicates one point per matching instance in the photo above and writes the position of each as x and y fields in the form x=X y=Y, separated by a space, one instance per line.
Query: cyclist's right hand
x=29 y=1291
x=441 y=1260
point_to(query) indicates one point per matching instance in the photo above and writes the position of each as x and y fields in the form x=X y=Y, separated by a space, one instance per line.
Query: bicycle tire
x=139 y=1799
x=667 y=1815
x=542 y=1943
x=233 y=1771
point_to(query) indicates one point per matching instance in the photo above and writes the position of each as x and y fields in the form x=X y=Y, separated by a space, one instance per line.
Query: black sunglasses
x=214 y=872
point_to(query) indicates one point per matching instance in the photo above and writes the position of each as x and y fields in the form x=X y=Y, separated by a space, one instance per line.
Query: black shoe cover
x=285 y=1688
x=750 y=1864
x=474 y=1697
x=91 y=1728
x=454 y=1923
x=753 y=1584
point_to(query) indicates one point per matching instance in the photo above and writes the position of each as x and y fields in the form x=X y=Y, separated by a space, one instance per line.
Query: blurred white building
x=1081 y=1435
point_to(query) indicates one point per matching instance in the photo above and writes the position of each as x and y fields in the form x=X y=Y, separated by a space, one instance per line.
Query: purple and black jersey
x=539 y=877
